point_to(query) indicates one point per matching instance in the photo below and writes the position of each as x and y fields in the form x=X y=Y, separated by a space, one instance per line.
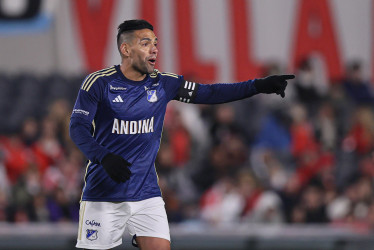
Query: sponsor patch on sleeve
x=81 y=112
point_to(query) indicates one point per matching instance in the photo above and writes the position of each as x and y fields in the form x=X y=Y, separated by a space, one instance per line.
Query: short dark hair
x=130 y=26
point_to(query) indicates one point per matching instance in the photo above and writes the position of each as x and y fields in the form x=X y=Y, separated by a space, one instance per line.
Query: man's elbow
x=77 y=127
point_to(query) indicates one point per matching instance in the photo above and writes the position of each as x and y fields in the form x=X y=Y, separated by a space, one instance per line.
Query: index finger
x=287 y=77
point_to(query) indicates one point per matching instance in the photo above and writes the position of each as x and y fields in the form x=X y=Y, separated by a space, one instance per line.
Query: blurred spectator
x=314 y=205
x=302 y=134
x=356 y=88
x=16 y=157
x=311 y=164
x=41 y=212
x=60 y=208
x=338 y=209
x=310 y=85
x=271 y=145
x=268 y=209
x=290 y=196
x=179 y=140
x=274 y=134
x=29 y=131
x=326 y=127
x=3 y=206
x=59 y=112
x=213 y=168
x=224 y=125
x=367 y=165
x=165 y=158
x=251 y=191
x=222 y=203
x=297 y=215
x=309 y=157
x=360 y=138
x=4 y=179
x=224 y=160
x=370 y=217
x=47 y=149
x=261 y=206
x=191 y=116
x=173 y=205
x=277 y=172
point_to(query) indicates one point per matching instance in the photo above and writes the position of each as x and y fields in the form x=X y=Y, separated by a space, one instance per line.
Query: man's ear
x=125 y=49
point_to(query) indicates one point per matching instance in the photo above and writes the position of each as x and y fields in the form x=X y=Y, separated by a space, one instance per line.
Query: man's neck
x=131 y=74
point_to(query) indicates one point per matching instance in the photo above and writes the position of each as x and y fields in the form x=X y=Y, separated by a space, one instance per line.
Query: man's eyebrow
x=148 y=39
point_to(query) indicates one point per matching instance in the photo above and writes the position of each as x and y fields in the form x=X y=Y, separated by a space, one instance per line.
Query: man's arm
x=80 y=132
x=81 y=126
x=191 y=92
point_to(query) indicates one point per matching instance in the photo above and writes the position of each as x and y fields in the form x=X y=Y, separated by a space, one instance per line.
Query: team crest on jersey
x=151 y=96
x=91 y=234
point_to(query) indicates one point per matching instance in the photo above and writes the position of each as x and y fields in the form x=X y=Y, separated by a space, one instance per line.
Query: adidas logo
x=190 y=93
x=118 y=99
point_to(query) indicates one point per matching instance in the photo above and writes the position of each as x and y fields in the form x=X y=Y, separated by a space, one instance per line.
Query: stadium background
x=263 y=173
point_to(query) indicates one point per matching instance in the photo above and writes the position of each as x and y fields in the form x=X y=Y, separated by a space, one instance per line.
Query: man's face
x=143 y=51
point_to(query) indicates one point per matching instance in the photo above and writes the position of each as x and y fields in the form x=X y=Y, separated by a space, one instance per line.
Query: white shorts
x=102 y=224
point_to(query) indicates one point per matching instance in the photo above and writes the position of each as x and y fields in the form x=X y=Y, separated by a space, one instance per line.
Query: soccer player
x=117 y=123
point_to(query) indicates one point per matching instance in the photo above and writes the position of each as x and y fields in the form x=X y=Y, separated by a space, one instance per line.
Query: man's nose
x=154 y=49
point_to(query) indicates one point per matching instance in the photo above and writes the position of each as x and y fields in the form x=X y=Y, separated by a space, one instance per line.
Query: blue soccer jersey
x=125 y=117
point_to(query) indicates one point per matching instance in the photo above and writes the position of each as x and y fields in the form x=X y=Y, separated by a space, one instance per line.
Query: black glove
x=273 y=84
x=116 y=167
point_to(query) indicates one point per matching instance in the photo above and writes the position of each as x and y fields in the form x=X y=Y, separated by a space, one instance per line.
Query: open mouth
x=152 y=61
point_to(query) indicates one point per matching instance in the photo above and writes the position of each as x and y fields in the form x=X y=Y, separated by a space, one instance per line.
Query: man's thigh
x=152 y=243
x=149 y=220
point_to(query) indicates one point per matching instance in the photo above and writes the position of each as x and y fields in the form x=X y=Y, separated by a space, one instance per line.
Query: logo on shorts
x=93 y=223
x=91 y=234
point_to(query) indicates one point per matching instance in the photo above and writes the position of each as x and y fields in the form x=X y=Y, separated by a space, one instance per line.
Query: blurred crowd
x=307 y=158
